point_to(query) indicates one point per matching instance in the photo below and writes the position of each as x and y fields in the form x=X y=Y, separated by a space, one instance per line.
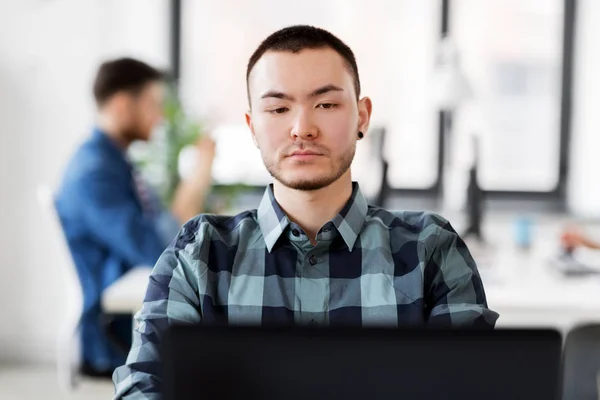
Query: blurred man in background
x=112 y=220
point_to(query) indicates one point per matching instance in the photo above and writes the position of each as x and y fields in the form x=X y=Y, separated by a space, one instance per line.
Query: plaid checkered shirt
x=370 y=267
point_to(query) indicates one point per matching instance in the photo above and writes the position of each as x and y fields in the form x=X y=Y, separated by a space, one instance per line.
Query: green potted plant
x=158 y=159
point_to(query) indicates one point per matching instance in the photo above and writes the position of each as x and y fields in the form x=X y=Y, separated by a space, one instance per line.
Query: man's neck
x=313 y=209
x=113 y=132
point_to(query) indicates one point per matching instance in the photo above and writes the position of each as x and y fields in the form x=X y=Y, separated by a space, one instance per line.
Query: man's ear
x=364 y=114
x=251 y=127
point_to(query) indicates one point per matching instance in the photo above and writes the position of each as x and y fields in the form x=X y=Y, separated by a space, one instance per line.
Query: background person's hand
x=206 y=152
x=572 y=237
x=196 y=160
x=195 y=169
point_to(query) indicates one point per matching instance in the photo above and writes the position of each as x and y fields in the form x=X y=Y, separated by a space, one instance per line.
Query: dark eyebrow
x=322 y=90
x=276 y=95
x=325 y=89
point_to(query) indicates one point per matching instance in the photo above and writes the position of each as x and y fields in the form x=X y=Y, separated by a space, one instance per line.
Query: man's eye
x=279 y=110
x=327 y=106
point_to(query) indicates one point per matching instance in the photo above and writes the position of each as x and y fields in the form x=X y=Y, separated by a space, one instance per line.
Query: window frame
x=554 y=199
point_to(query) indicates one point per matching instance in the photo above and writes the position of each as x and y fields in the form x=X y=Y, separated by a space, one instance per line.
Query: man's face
x=146 y=111
x=304 y=116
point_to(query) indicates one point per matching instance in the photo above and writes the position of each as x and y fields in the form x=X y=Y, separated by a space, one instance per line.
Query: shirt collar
x=101 y=136
x=273 y=221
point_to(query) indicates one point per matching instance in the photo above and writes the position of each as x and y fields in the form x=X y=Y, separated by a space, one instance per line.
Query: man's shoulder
x=413 y=221
x=225 y=228
x=89 y=158
x=423 y=227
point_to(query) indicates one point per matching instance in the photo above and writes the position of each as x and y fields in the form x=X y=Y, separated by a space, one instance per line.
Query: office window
x=394 y=43
x=511 y=51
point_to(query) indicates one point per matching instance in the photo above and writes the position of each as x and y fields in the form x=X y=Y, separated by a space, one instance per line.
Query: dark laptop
x=302 y=363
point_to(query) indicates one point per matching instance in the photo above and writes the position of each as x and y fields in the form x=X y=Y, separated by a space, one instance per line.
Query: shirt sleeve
x=116 y=219
x=171 y=297
x=453 y=287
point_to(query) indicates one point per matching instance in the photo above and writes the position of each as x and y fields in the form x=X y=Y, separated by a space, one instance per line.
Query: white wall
x=49 y=51
x=584 y=187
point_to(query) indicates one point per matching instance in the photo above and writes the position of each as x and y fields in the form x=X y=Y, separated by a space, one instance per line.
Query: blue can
x=523 y=232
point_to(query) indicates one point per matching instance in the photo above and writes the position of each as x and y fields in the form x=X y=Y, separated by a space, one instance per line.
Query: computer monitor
x=320 y=363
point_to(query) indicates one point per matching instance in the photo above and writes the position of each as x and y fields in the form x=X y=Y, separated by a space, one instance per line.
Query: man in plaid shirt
x=314 y=253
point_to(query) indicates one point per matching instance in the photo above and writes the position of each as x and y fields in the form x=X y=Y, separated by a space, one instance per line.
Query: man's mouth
x=304 y=155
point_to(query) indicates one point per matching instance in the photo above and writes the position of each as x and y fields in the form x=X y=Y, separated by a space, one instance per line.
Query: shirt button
x=326 y=229
x=295 y=232
x=312 y=260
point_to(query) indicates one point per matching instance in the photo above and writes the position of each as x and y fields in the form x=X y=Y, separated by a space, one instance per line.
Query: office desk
x=527 y=292
x=126 y=295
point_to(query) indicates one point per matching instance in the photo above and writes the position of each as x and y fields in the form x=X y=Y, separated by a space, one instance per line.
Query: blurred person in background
x=112 y=220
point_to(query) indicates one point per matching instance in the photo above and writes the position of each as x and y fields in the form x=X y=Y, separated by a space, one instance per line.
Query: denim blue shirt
x=108 y=231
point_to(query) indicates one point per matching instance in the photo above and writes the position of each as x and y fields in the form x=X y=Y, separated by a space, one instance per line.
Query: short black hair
x=123 y=74
x=296 y=38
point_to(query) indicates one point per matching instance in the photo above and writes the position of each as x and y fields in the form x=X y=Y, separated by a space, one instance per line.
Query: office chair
x=67 y=344
x=581 y=363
